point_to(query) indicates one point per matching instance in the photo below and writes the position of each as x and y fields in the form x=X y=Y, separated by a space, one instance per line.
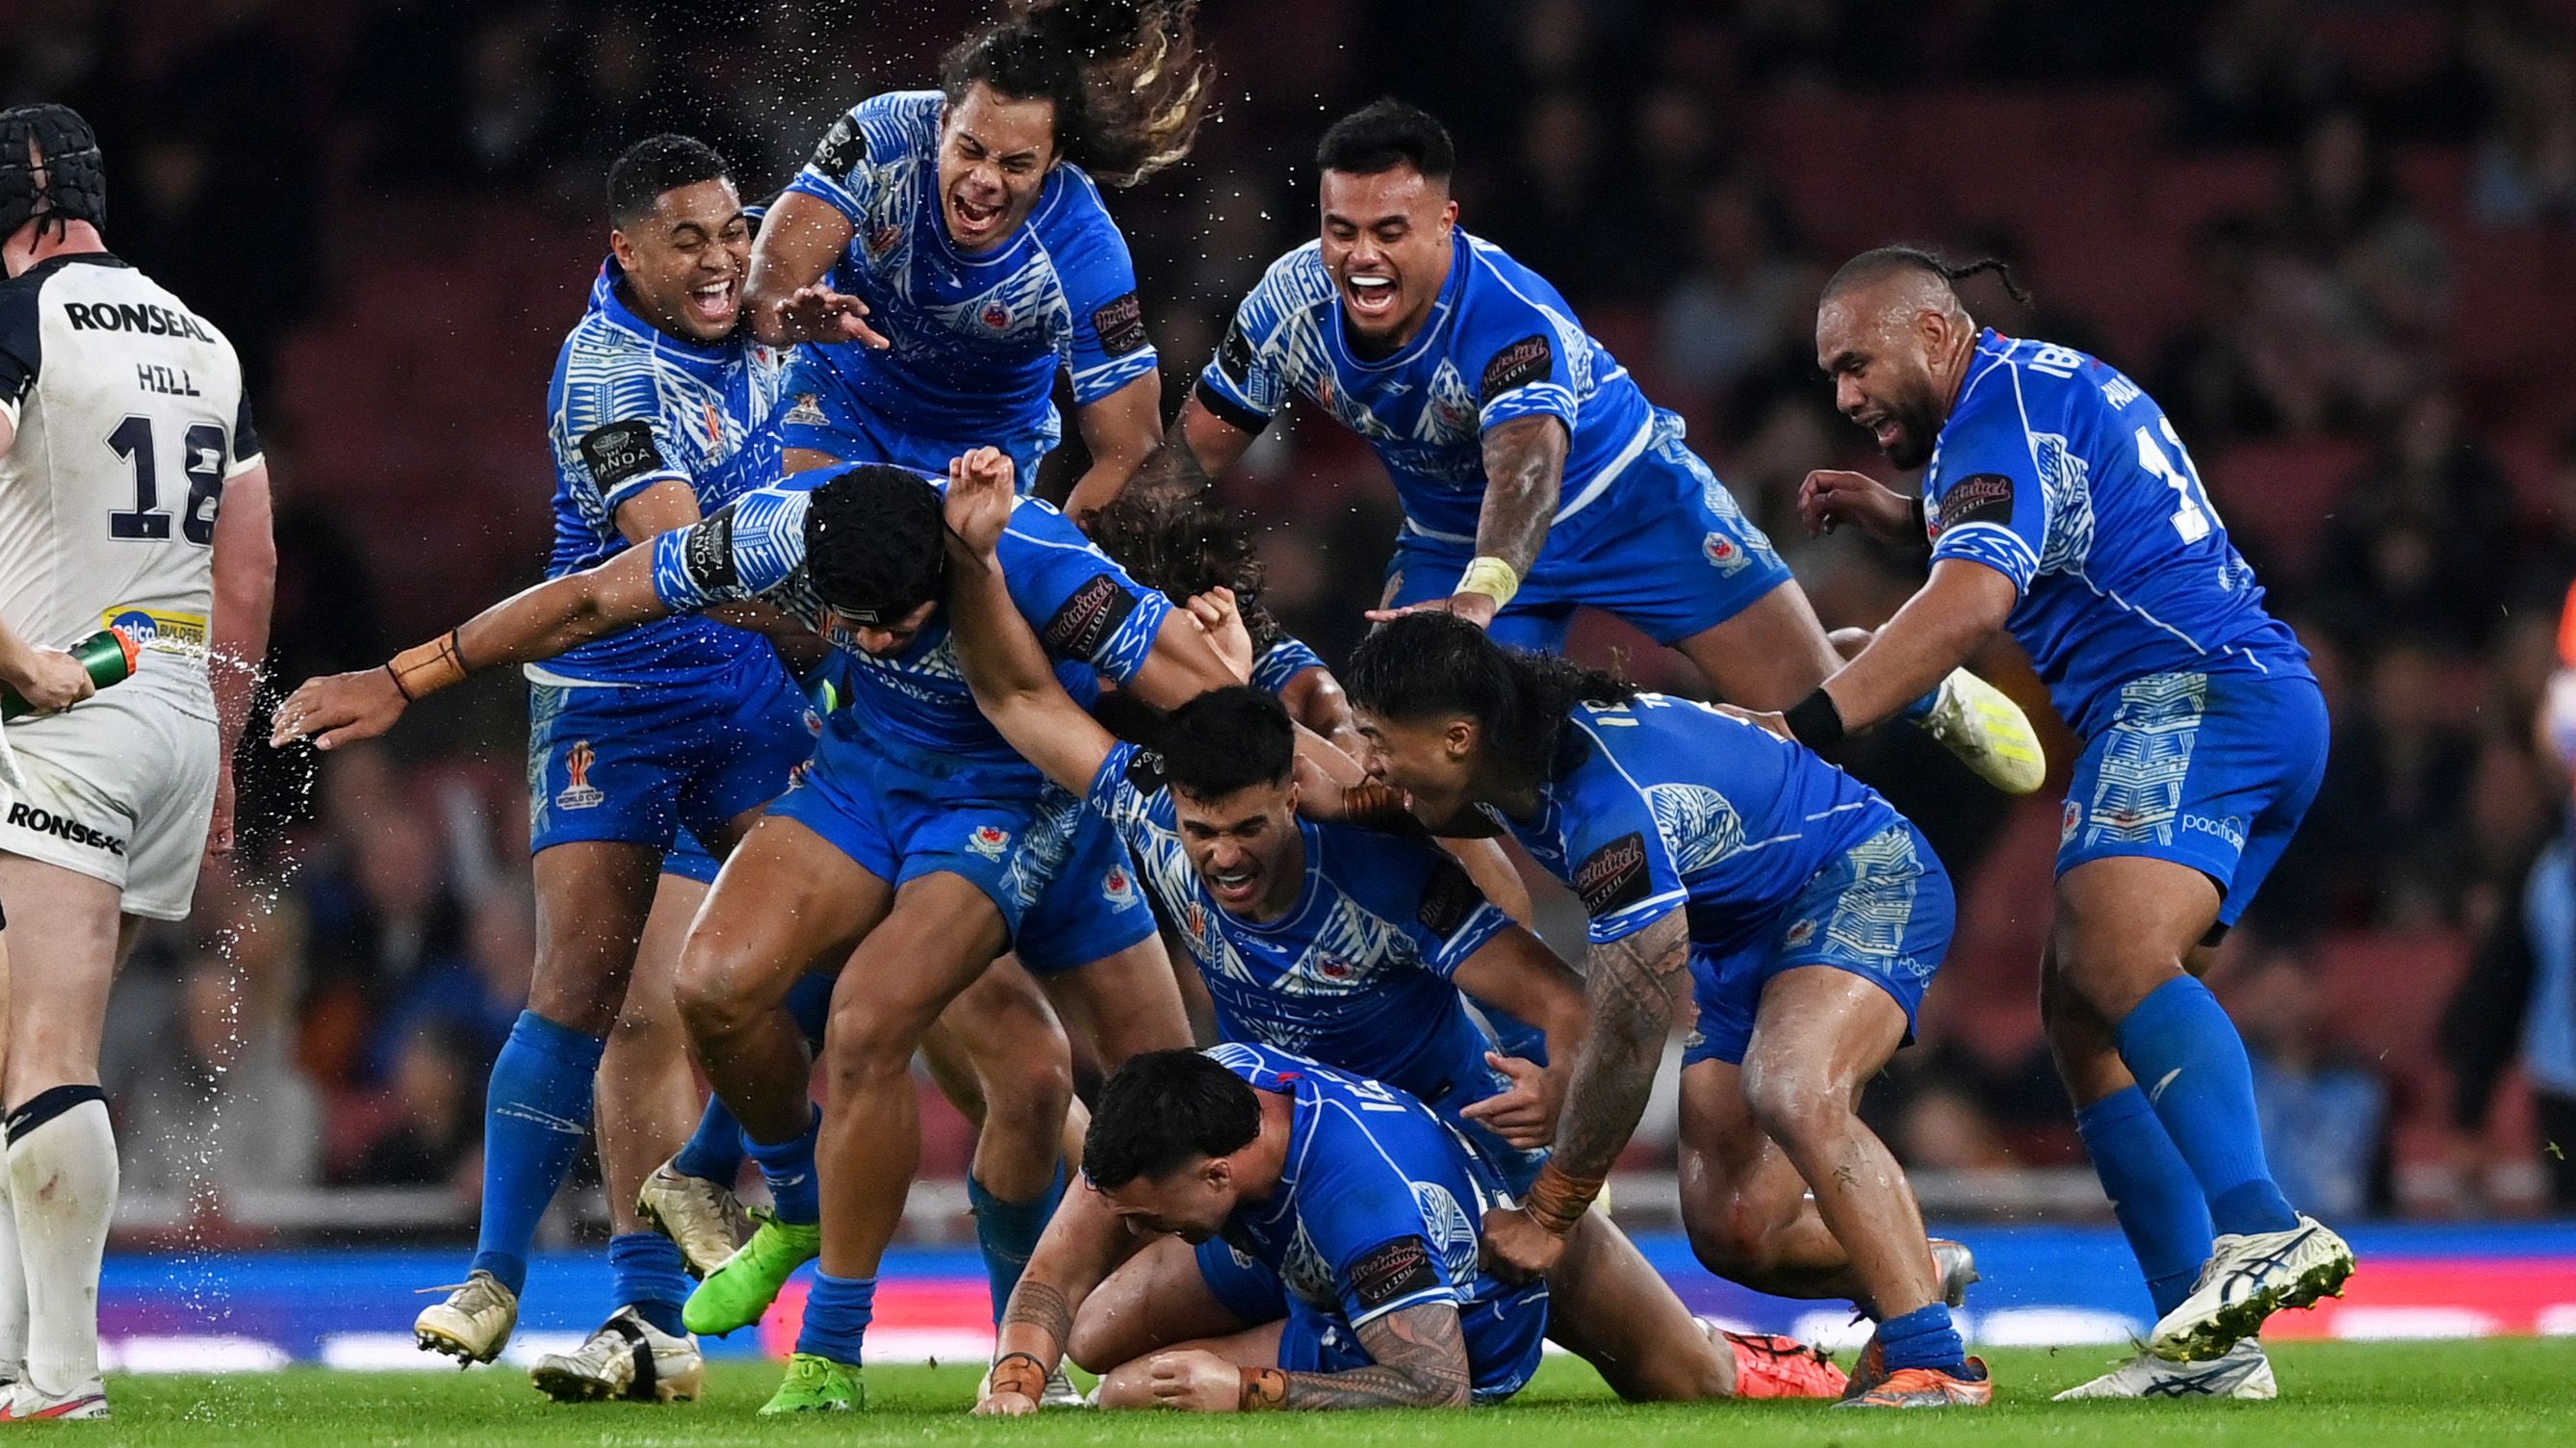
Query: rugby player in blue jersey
x=947 y=253
x=638 y=747
x=1722 y=862
x=906 y=851
x=1534 y=474
x=2060 y=505
x=1331 y=940
x=1364 y=1215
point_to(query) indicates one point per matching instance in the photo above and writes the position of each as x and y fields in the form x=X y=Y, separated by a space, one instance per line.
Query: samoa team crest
x=989 y=841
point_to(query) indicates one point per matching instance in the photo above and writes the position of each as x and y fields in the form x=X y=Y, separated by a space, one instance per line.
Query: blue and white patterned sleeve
x=752 y=547
x=1520 y=357
x=1081 y=605
x=1109 y=347
x=1358 y=1208
x=1451 y=919
x=1282 y=662
x=1983 y=499
x=612 y=435
x=1618 y=863
x=1245 y=383
x=853 y=157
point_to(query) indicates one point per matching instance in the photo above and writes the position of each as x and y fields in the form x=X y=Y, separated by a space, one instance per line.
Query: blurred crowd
x=2328 y=236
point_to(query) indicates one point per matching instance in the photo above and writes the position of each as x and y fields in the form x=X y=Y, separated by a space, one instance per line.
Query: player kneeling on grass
x=1358 y=1198
x=1720 y=860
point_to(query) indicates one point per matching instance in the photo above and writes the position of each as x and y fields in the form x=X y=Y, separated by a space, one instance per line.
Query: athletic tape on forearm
x=1816 y=720
x=1263 y=1390
x=1558 y=1199
x=1491 y=577
x=424 y=669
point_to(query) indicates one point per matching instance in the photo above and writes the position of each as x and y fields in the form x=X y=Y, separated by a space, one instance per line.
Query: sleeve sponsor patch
x=1145 y=772
x=842 y=148
x=1234 y=355
x=1526 y=361
x=1088 y=618
x=707 y=557
x=1976 y=498
x=1121 y=325
x=620 y=453
x=1614 y=876
x=1392 y=1272
x=1448 y=899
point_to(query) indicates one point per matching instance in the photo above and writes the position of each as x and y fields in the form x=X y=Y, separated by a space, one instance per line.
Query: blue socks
x=715 y=1151
x=536 y=1120
x=2152 y=1191
x=2189 y=1060
x=647 y=1275
x=788 y=1167
x=836 y=1317
x=1920 y=709
x=1009 y=1231
x=1922 y=1338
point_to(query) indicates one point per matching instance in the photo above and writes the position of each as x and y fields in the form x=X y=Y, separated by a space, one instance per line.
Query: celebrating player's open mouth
x=970 y=221
x=715 y=303
x=1371 y=294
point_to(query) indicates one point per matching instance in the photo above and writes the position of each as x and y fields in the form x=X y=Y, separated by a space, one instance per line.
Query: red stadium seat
x=2277 y=495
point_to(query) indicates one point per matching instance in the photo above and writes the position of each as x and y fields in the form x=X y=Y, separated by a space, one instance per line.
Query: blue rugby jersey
x=1370 y=1173
x=2064 y=476
x=630 y=406
x=977 y=336
x=1665 y=803
x=1093 y=619
x=1358 y=973
x=1500 y=344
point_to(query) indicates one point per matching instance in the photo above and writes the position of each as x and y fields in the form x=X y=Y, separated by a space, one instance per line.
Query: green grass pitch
x=2350 y=1395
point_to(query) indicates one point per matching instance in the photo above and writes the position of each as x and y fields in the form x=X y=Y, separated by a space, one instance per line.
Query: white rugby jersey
x=130 y=420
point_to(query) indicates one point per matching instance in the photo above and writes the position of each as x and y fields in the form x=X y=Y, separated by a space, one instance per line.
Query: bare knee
x=1029 y=1093
x=863 y=1047
x=1731 y=1235
x=1795 y=1105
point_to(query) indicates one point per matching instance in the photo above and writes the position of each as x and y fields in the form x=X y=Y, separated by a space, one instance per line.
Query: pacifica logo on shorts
x=578 y=792
x=2230 y=829
x=62 y=827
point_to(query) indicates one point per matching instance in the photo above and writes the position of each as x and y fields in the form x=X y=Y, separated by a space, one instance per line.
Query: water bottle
x=108 y=654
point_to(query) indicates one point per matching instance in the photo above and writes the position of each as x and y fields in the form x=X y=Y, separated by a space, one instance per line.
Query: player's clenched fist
x=1517 y=1249
x=1195 y=1381
x=1830 y=497
x=982 y=490
x=339 y=709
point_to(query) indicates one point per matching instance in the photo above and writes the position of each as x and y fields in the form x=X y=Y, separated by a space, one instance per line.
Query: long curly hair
x=1182 y=546
x=1125 y=76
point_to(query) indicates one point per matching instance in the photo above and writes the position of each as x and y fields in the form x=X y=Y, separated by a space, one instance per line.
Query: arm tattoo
x=1044 y=1306
x=1524 y=472
x=1421 y=1363
x=1636 y=986
x=1172 y=470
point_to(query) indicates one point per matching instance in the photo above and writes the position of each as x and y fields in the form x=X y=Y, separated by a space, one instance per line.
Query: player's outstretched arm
x=1005 y=665
x=245 y=569
x=1419 y=1361
x=1082 y=1245
x=1197 y=449
x=1517 y=972
x=787 y=297
x=1636 y=986
x=1936 y=631
x=1524 y=474
x=1120 y=430
x=537 y=623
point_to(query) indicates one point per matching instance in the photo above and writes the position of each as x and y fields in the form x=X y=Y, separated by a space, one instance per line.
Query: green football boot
x=817 y=1385
x=737 y=1293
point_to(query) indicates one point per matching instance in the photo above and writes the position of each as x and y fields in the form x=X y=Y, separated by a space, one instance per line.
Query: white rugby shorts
x=121 y=787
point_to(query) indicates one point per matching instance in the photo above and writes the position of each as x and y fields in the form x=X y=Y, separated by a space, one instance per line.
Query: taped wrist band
x=1019 y=1372
x=424 y=669
x=1491 y=577
x=1816 y=721
x=1558 y=1199
x=1263 y=1390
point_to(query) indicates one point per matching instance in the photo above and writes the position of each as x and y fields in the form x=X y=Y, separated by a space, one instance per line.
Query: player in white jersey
x=132 y=493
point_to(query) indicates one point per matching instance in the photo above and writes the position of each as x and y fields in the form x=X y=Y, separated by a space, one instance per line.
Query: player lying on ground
x=903 y=845
x=2061 y=505
x=1360 y=1212
x=1338 y=942
x=1714 y=858
x=1535 y=476
x=946 y=253
x=132 y=492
